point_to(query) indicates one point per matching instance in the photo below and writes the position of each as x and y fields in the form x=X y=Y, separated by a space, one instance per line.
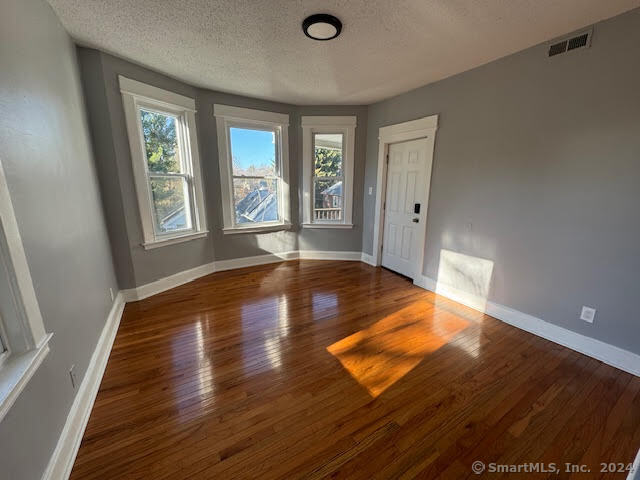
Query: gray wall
x=137 y=266
x=46 y=152
x=537 y=168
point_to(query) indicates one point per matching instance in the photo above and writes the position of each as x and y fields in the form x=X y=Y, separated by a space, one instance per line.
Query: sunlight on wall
x=276 y=243
x=465 y=278
x=380 y=355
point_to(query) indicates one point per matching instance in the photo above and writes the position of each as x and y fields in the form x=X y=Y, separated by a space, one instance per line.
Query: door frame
x=426 y=128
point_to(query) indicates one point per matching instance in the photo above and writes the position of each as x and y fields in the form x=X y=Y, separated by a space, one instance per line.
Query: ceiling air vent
x=582 y=40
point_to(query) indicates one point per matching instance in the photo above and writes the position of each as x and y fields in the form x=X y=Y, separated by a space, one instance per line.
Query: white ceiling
x=257 y=48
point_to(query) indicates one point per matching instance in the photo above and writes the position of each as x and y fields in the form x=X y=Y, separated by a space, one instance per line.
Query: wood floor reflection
x=316 y=369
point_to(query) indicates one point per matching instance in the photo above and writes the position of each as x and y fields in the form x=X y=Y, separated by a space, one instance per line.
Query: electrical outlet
x=72 y=375
x=111 y=293
x=370 y=190
x=588 y=314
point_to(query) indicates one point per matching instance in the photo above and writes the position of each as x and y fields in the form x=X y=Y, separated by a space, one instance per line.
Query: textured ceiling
x=257 y=48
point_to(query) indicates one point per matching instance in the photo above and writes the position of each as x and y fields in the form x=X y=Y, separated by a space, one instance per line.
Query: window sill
x=16 y=373
x=263 y=229
x=174 y=240
x=327 y=225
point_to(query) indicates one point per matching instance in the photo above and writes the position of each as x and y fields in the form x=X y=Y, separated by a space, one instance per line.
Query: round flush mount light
x=321 y=26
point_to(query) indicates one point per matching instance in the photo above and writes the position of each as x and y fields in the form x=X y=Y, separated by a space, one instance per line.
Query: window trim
x=26 y=349
x=311 y=125
x=136 y=96
x=315 y=178
x=227 y=117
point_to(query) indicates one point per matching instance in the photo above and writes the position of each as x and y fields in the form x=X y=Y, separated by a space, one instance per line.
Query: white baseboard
x=167 y=283
x=180 y=278
x=609 y=354
x=634 y=474
x=64 y=455
x=221 y=265
x=368 y=259
x=320 y=255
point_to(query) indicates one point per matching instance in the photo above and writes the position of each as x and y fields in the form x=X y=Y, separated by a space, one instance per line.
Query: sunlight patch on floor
x=380 y=355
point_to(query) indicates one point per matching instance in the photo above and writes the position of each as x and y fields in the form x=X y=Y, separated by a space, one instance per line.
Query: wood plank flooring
x=318 y=369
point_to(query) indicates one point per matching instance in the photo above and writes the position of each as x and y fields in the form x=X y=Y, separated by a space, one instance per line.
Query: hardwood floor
x=317 y=369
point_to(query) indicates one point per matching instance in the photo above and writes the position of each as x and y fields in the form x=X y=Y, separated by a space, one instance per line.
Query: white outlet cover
x=588 y=314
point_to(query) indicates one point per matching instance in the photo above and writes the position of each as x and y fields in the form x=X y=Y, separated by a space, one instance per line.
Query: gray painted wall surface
x=104 y=102
x=105 y=160
x=46 y=152
x=541 y=156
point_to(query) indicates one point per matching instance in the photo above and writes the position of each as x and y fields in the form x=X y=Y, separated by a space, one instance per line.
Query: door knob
x=415 y=220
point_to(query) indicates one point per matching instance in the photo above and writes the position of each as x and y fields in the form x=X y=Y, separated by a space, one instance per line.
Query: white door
x=406 y=188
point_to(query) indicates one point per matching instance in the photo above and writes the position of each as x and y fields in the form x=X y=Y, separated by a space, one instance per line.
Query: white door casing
x=421 y=128
x=405 y=190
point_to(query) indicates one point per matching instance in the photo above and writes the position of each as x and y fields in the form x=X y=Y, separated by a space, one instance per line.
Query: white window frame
x=26 y=342
x=137 y=96
x=235 y=117
x=311 y=125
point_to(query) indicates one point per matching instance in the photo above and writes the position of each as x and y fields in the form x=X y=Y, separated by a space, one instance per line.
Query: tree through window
x=168 y=178
x=328 y=179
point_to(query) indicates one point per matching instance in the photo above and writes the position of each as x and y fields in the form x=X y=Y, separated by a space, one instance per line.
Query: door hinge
x=384 y=205
x=387 y=159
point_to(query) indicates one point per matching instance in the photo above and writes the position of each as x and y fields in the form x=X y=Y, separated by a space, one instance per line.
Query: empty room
x=298 y=239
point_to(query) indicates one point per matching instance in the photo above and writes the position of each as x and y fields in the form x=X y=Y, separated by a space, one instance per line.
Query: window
x=328 y=177
x=328 y=149
x=166 y=165
x=255 y=175
x=24 y=342
x=253 y=156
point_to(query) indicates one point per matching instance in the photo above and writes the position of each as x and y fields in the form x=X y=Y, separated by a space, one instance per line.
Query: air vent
x=558 y=48
x=577 y=42
x=583 y=40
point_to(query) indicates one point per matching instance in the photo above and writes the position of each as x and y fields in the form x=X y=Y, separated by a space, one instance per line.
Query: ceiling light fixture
x=321 y=27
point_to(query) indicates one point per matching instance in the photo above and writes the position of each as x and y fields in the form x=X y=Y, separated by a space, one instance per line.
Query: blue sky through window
x=252 y=148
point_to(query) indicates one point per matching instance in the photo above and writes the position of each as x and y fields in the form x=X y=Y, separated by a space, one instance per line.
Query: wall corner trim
x=368 y=259
x=64 y=455
x=607 y=353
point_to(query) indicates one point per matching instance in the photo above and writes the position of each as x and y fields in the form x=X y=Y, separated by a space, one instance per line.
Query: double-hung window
x=328 y=149
x=253 y=160
x=166 y=165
